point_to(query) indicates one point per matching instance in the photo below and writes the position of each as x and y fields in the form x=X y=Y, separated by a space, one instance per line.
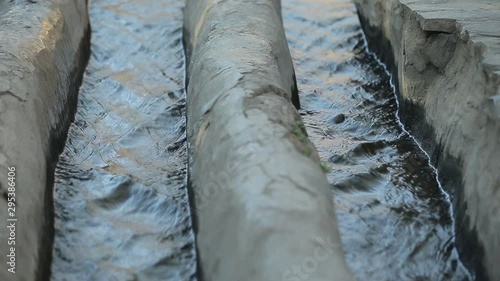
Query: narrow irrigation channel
x=394 y=218
x=121 y=206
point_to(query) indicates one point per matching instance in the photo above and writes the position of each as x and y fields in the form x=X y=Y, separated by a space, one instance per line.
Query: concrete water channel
x=121 y=198
x=121 y=204
x=250 y=140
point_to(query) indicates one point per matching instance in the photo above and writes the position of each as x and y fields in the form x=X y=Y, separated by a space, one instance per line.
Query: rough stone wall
x=446 y=63
x=43 y=51
x=262 y=204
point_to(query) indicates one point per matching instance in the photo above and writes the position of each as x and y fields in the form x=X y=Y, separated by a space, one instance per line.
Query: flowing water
x=394 y=218
x=121 y=207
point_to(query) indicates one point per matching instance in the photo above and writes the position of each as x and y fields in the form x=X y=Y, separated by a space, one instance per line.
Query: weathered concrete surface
x=263 y=207
x=445 y=57
x=43 y=51
x=3 y=6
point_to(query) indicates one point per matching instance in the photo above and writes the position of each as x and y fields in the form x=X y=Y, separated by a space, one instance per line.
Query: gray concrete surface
x=3 y=6
x=262 y=204
x=445 y=57
x=43 y=49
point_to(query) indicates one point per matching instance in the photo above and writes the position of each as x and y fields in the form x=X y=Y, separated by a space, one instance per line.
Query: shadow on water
x=121 y=206
x=394 y=218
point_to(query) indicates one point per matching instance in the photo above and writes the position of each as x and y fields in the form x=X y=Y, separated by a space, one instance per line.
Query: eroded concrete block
x=43 y=51
x=262 y=204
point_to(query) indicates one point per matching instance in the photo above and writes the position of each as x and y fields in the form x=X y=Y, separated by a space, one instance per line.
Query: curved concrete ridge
x=263 y=208
x=445 y=58
x=43 y=51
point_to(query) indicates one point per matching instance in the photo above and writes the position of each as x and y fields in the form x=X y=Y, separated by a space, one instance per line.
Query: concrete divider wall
x=44 y=47
x=445 y=60
x=263 y=209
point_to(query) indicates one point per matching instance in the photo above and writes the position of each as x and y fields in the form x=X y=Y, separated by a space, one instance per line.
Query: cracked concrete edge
x=444 y=58
x=44 y=47
x=262 y=205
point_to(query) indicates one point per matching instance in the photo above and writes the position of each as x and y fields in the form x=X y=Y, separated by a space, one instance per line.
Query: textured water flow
x=121 y=207
x=394 y=218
